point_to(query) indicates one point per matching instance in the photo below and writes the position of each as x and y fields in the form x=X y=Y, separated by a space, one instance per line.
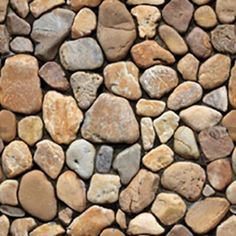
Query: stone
x=3 y=11
x=223 y=38
x=230 y=192
x=215 y=143
x=84 y=86
x=158 y=158
x=151 y=2
x=7 y=125
x=147 y=133
x=118 y=34
x=38 y=7
x=217 y=99
x=80 y=157
x=149 y=53
x=145 y=223
x=206 y=214
x=232 y=86
x=22 y=227
x=208 y=191
x=234 y=160
x=178 y=13
x=199 y=43
x=169 y=208
x=190 y=181
x=21 y=7
x=111 y=232
x=179 y=230
x=201 y=2
x=188 y=67
x=71 y=190
x=115 y=111
x=150 y=108
x=61 y=116
x=159 y=80
x=104 y=189
x=50 y=157
x=147 y=17
x=200 y=117
x=84 y=23
x=16 y=159
x=140 y=192
x=185 y=143
x=4 y=225
x=11 y=211
x=21 y=44
x=127 y=163
x=226 y=11
x=227 y=227
x=205 y=17
x=78 y=4
x=1 y=149
x=65 y=216
x=165 y=125
x=8 y=192
x=47 y=44
x=36 y=195
x=81 y=54
x=229 y=123
x=52 y=73
x=173 y=40
x=121 y=78
x=20 y=84
x=51 y=228
x=4 y=39
x=104 y=159
x=184 y=95
x=121 y=219
x=88 y=223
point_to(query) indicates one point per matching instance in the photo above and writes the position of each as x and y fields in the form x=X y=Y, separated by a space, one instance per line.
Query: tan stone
x=234 y=160
x=7 y=125
x=21 y=7
x=179 y=230
x=229 y=121
x=231 y=193
x=3 y=9
x=65 y=216
x=4 y=225
x=121 y=219
x=22 y=227
x=8 y=192
x=111 y=232
x=4 y=39
x=232 y=86
x=226 y=10
x=200 y=2
x=205 y=17
x=51 y=228
x=151 y=2
x=227 y=227
x=78 y=4
x=147 y=133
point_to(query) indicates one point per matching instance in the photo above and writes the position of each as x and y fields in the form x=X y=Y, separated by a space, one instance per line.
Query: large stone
x=205 y=17
x=51 y=228
x=7 y=125
x=226 y=10
x=147 y=133
x=227 y=227
x=3 y=9
x=4 y=39
x=22 y=226
x=229 y=121
x=232 y=87
x=8 y=192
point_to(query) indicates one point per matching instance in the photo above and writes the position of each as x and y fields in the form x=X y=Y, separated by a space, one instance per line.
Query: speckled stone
x=148 y=134
x=104 y=159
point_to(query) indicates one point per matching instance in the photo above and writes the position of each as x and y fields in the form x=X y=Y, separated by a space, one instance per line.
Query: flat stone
x=104 y=159
x=22 y=227
x=200 y=117
x=208 y=191
x=190 y=181
x=11 y=211
x=179 y=230
x=4 y=39
x=20 y=84
x=36 y=195
x=115 y=111
x=81 y=54
x=47 y=45
x=7 y=125
x=4 y=225
x=151 y=2
x=21 y=7
x=147 y=133
x=206 y=214
x=91 y=222
x=8 y=192
x=65 y=216
x=232 y=87
x=215 y=143
x=127 y=163
x=169 y=208
x=226 y=11
x=121 y=219
x=149 y=53
x=50 y=157
x=62 y=124
x=178 y=13
x=111 y=232
x=159 y=80
x=118 y=34
x=3 y=12
x=158 y=158
x=51 y=228
x=121 y=78
x=186 y=94
x=21 y=44
x=205 y=17
x=71 y=190
x=227 y=227
x=78 y=4
x=230 y=123
x=104 y=189
x=140 y=192
x=231 y=192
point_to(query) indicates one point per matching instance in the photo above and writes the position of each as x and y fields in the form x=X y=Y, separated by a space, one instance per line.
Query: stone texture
x=234 y=160
x=121 y=219
x=78 y=4
x=232 y=86
x=151 y=2
x=104 y=159
x=11 y=211
x=226 y=11
x=205 y=17
x=61 y=117
x=22 y=227
x=4 y=225
x=51 y=228
x=65 y=216
x=111 y=232
x=147 y=133
x=4 y=39
x=190 y=180
x=21 y=44
x=8 y=192
x=227 y=227
x=3 y=11
x=21 y=7
x=179 y=230
x=201 y=2
x=208 y=191
x=230 y=123
x=231 y=192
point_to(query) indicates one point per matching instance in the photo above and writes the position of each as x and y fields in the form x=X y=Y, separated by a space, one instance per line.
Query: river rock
x=232 y=87
x=22 y=227
x=226 y=11
x=8 y=192
x=52 y=229
x=147 y=133
x=21 y=7
x=4 y=39
x=227 y=227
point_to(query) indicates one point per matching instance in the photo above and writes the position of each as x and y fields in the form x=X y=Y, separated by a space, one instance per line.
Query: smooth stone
x=4 y=39
x=226 y=11
x=229 y=123
x=205 y=17
x=232 y=86
x=21 y=44
x=208 y=191
x=111 y=232
x=227 y=227
x=151 y=2
x=3 y=11
x=148 y=134
x=8 y=192
x=65 y=216
x=7 y=125
x=200 y=2
x=78 y=4
x=51 y=228
x=22 y=227
x=179 y=230
x=121 y=219
x=11 y=211
x=21 y=7
x=231 y=192
x=104 y=159
x=4 y=221
x=233 y=160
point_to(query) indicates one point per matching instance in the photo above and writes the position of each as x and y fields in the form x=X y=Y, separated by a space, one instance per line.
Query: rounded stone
x=232 y=87
x=226 y=10
x=205 y=17
x=111 y=232
x=147 y=133
x=231 y=193
x=8 y=192
x=21 y=45
x=227 y=227
x=179 y=230
x=4 y=222
x=22 y=227
x=229 y=122
x=52 y=228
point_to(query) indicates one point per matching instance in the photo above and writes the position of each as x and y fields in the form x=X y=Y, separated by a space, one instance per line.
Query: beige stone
x=8 y=192
x=230 y=123
x=51 y=228
x=21 y=7
x=200 y=2
x=121 y=219
x=227 y=227
x=232 y=86
x=7 y=125
x=78 y=4
x=205 y=17
x=111 y=232
x=3 y=9
x=179 y=230
x=226 y=10
x=151 y=2
x=4 y=225
x=231 y=192
x=4 y=39
x=147 y=133
x=22 y=227
x=65 y=216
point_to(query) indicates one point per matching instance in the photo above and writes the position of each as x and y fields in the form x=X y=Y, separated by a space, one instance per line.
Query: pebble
x=151 y=2
x=158 y=158
x=78 y=4
x=85 y=87
x=36 y=195
x=8 y=192
x=52 y=73
x=12 y=211
x=173 y=40
x=147 y=17
x=179 y=230
x=227 y=227
x=169 y=208
x=159 y=80
x=80 y=157
x=61 y=116
x=234 y=160
x=226 y=11
x=149 y=53
x=104 y=159
x=140 y=192
x=123 y=126
x=4 y=39
x=4 y=221
x=22 y=227
x=215 y=143
x=16 y=159
x=190 y=181
x=111 y=232
x=121 y=78
x=21 y=92
x=21 y=44
x=206 y=214
x=3 y=10
x=127 y=163
x=51 y=228
x=232 y=87
x=230 y=123
x=71 y=190
x=165 y=125
x=121 y=219
x=81 y=54
x=200 y=117
x=147 y=133
x=65 y=216
x=231 y=192
x=104 y=189
x=48 y=152
x=185 y=143
x=21 y=7
x=91 y=222
x=7 y=125
x=205 y=17
x=208 y=191
x=84 y=23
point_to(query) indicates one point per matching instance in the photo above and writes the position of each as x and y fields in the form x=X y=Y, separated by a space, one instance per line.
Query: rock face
x=227 y=228
x=20 y=84
x=232 y=87
x=118 y=34
x=226 y=10
x=115 y=111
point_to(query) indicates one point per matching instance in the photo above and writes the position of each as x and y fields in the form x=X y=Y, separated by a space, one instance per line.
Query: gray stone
x=4 y=39
x=208 y=191
x=21 y=7
x=15 y=212
x=21 y=44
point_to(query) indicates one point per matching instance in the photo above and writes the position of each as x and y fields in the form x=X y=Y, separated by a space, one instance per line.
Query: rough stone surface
x=147 y=133
x=230 y=123
x=22 y=227
x=52 y=229
x=21 y=7
x=226 y=10
x=232 y=87
x=21 y=44
x=104 y=159
x=4 y=39
x=8 y=192
x=4 y=225
x=179 y=230
x=205 y=17
x=227 y=227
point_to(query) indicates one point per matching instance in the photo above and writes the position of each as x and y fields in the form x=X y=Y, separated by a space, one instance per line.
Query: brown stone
x=231 y=192
x=3 y=9
x=22 y=227
x=151 y=2
x=226 y=10
x=21 y=7
x=4 y=225
x=205 y=17
x=147 y=133
x=8 y=192
x=78 y=4
x=121 y=219
x=179 y=230
x=51 y=228
x=4 y=39
x=227 y=227
x=229 y=121
x=7 y=125
x=111 y=232
x=232 y=87
x=65 y=216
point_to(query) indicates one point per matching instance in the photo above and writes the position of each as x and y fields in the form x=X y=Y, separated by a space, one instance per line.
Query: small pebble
x=121 y=219
x=231 y=192
x=21 y=45
x=11 y=211
x=205 y=17
x=65 y=216
x=208 y=191
x=4 y=39
x=147 y=133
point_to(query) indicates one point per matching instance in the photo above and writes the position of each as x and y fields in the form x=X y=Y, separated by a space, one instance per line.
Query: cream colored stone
x=22 y=227
x=227 y=227
x=151 y=2
x=51 y=228
x=4 y=225
x=205 y=17
x=226 y=10
x=231 y=193
x=147 y=133
x=121 y=219
x=8 y=192
x=78 y=4
x=65 y=215
x=21 y=7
